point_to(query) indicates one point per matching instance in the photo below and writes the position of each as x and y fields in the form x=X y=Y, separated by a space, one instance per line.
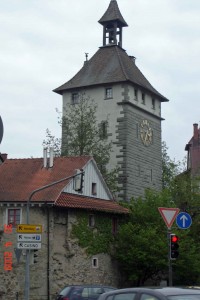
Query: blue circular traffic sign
x=183 y=220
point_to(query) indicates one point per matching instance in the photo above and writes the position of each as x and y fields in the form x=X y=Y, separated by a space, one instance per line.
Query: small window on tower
x=75 y=98
x=103 y=130
x=153 y=103
x=108 y=93
x=143 y=98
x=136 y=94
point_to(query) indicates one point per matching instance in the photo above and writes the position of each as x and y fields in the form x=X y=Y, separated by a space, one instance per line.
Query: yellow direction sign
x=29 y=228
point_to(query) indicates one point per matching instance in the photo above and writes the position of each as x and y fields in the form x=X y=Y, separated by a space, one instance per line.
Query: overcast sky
x=43 y=45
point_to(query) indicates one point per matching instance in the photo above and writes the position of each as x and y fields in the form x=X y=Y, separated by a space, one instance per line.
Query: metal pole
x=169 y=259
x=27 y=270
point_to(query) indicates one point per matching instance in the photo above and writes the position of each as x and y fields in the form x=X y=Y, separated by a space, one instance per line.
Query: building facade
x=129 y=104
x=67 y=216
x=193 y=152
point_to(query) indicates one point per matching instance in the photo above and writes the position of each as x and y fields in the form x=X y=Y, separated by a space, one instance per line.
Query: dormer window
x=75 y=98
x=108 y=93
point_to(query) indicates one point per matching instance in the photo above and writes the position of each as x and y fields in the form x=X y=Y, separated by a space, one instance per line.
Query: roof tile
x=109 y=65
x=67 y=200
x=19 y=177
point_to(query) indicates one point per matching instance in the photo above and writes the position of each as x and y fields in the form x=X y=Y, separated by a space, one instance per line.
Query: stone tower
x=130 y=103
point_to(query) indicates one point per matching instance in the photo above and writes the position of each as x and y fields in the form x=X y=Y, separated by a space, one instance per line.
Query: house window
x=75 y=98
x=153 y=103
x=95 y=262
x=143 y=98
x=136 y=94
x=91 y=221
x=114 y=225
x=108 y=93
x=13 y=216
x=94 y=188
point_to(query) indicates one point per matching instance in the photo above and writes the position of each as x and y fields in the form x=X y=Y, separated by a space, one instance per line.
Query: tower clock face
x=146 y=132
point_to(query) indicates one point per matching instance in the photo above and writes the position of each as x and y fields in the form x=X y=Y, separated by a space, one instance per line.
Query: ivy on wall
x=97 y=239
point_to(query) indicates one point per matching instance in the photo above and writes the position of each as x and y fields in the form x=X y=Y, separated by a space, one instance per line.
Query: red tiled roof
x=19 y=177
x=77 y=201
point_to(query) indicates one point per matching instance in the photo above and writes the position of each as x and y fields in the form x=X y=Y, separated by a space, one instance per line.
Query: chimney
x=195 y=131
x=133 y=58
x=45 y=157
x=51 y=157
x=3 y=156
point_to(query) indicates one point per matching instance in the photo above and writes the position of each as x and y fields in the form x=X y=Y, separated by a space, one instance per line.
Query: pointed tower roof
x=109 y=65
x=113 y=14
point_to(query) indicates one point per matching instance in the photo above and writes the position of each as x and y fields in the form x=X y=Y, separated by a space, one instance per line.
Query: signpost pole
x=169 y=260
x=27 y=270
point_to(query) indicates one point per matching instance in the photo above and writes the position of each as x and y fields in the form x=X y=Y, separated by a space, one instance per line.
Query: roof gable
x=91 y=175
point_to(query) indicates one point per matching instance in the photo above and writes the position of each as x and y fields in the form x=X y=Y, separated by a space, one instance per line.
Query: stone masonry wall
x=68 y=263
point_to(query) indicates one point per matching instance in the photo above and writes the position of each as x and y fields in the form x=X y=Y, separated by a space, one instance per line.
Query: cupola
x=112 y=22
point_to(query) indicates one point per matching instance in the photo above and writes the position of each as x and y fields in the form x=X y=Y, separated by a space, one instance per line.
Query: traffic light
x=174 y=253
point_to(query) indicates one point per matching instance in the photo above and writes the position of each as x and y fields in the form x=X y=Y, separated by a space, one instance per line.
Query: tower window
x=136 y=94
x=103 y=129
x=143 y=98
x=75 y=98
x=153 y=103
x=108 y=93
x=94 y=188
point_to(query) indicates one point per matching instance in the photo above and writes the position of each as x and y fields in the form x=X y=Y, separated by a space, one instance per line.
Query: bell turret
x=112 y=22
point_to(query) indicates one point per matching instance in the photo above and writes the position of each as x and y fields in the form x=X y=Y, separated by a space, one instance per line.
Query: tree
x=141 y=246
x=170 y=168
x=82 y=135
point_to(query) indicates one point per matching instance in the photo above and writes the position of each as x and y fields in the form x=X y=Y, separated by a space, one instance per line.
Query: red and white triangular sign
x=168 y=215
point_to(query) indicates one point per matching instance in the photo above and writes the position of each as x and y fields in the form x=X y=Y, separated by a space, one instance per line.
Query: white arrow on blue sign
x=183 y=220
